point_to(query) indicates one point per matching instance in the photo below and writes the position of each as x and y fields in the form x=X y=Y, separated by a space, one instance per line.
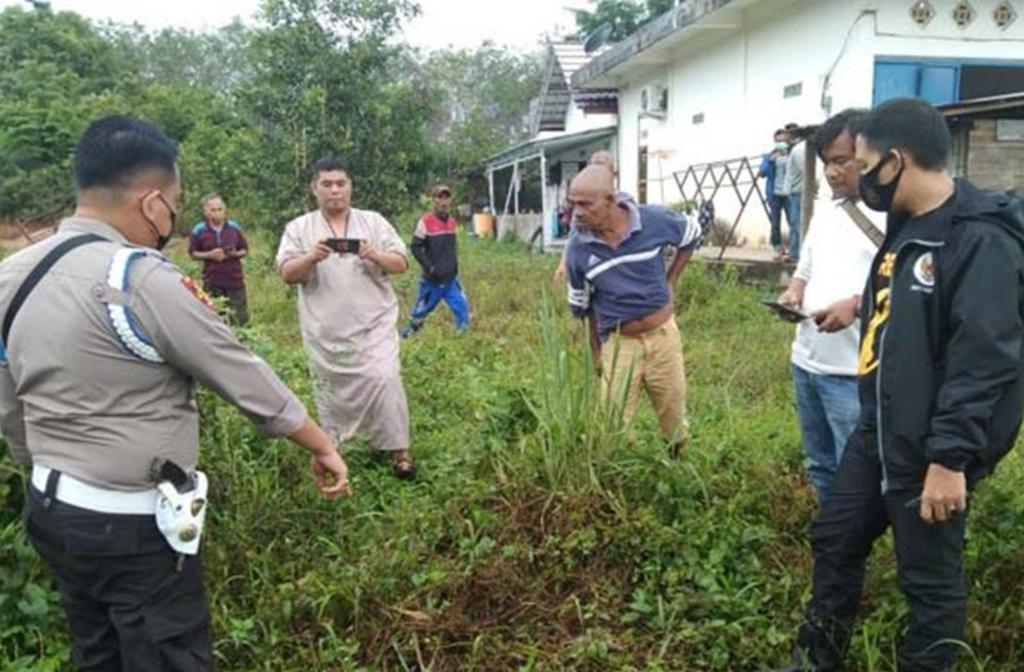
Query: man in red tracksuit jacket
x=434 y=246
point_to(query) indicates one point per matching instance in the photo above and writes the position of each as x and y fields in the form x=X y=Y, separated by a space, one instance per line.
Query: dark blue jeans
x=430 y=296
x=793 y=204
x=828 y=407
x=776 y=204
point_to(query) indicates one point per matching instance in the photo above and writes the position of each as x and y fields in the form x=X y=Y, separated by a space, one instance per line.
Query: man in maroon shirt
x=220 y=244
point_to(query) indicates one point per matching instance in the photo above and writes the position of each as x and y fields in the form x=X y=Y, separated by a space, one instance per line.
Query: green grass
x=540 y=536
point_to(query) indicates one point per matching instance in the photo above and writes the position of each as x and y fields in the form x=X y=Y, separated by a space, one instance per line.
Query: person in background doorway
x=793 y=187
x=770 y=170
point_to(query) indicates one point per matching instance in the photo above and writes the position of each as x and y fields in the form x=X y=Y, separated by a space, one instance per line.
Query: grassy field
x=540 y=536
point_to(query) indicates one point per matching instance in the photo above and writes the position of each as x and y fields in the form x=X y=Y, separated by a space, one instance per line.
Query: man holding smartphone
x=833 y=266
x=342 y=258
x=220 y=244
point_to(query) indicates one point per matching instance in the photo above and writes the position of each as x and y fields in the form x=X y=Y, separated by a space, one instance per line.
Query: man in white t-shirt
x=834 y=262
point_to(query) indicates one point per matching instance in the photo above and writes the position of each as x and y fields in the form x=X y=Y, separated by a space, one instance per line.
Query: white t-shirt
x=835 y=260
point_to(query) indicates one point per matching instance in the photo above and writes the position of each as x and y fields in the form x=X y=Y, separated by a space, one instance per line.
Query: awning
x=1012 y=101
x=547 y=146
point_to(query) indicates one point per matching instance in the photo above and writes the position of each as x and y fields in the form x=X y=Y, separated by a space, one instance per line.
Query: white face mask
x=180 y=515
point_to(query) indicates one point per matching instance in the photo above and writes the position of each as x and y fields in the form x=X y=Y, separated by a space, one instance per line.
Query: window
x=945 y=81
x=793 y=90
x=698 y=119
x=983 y=81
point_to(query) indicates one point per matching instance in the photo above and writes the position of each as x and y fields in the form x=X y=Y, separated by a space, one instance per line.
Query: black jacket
x=434 y=246
x=949 y=385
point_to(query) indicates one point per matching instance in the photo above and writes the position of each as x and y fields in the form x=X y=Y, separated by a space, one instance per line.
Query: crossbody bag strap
x=36 y=274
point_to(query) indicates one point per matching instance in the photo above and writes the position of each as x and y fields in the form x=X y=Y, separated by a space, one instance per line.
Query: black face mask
x=877 y=196
x=161 y=239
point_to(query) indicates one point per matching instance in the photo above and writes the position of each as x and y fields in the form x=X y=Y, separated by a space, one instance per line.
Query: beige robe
x=348 y=313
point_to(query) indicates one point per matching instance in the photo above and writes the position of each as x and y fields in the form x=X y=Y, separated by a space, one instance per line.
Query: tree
x=624 y=16
x=483 y=96
x=53 y=66
x=326 y=80
x=214 y=61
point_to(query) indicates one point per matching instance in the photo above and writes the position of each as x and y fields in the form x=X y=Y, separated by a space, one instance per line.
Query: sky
x=461 y=23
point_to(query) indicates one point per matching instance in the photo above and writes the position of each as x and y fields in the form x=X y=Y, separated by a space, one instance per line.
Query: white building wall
x=576 y=120
x=735 y=75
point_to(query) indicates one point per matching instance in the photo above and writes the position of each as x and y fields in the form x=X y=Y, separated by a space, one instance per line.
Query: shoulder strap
x=37 y=273
x=863 y=223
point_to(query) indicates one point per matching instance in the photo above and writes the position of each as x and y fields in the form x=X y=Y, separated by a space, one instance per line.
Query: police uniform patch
x=924 y=269
x=197 y=292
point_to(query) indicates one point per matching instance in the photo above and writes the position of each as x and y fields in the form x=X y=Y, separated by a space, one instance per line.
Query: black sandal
x=404 y=469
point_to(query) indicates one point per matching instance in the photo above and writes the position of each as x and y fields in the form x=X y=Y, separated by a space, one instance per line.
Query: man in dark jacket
x=434 y=246
x=942 y=389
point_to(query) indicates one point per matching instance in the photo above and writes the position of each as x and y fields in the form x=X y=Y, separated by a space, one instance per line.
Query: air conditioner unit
x=654 y=101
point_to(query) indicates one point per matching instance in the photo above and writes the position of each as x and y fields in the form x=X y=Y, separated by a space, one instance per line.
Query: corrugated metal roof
x=983 y=105
x=558 y=143
x=564 y=60
x=685 y=15
x=570 y=57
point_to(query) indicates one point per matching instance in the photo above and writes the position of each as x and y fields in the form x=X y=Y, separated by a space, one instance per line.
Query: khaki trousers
x=653 y=362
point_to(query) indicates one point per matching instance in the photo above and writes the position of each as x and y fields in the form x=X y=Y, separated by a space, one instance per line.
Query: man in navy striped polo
x=618 y=280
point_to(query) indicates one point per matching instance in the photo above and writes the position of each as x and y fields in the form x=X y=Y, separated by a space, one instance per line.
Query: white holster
x=180 y=515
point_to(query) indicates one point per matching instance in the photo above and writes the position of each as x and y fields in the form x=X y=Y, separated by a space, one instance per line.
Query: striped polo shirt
x=627 y=282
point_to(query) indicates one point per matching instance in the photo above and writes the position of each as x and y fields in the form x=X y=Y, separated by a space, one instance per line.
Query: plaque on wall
x=1010 y=130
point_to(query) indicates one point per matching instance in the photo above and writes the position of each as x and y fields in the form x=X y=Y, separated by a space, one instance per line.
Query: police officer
x=103 y=341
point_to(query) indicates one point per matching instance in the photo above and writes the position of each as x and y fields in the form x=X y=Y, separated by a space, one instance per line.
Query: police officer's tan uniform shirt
x=73 y=399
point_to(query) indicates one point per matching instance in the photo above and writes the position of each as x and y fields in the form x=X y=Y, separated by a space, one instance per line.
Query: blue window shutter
x=895 y=80
x=939 y=84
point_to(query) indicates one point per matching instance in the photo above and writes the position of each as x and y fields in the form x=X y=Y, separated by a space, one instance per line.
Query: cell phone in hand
x=784 y=311
x=343 y=245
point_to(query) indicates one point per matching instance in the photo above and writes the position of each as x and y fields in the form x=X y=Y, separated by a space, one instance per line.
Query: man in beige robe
x=348 y=313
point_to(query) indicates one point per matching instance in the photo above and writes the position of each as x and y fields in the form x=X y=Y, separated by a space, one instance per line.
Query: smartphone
x=784 y=311
x=343 y=245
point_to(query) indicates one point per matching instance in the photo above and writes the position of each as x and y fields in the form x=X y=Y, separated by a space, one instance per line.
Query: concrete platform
x=754 y=264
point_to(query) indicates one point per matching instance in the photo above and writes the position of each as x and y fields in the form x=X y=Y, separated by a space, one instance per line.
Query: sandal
x=404 y=469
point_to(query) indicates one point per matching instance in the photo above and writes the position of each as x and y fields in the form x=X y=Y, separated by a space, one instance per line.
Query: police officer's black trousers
x=929 y=560
x=128 y=606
